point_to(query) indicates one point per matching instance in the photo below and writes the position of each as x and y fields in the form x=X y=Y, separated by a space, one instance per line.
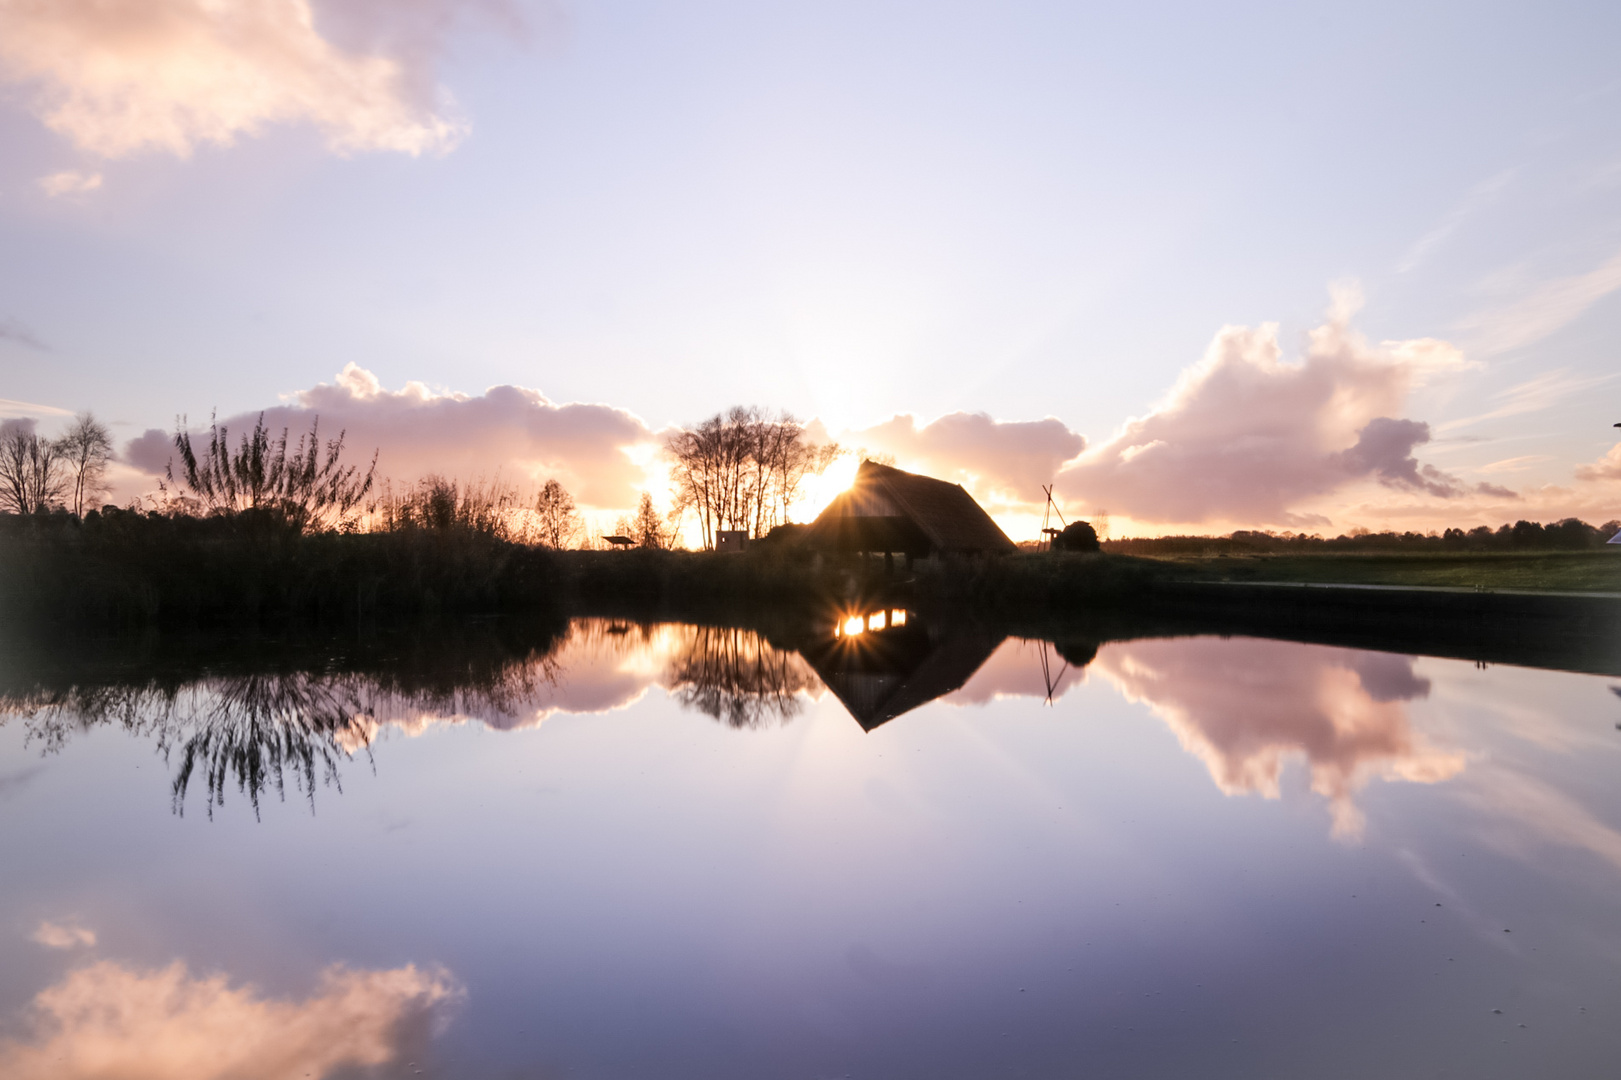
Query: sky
x=1292 y=266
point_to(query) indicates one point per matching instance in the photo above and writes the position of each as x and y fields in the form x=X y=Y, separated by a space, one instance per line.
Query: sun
x=821 y=490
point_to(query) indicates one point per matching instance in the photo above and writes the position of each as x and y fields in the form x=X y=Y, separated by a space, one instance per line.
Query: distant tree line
x=1570 y=534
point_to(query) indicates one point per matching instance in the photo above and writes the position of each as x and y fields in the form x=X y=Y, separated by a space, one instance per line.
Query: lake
x=889 y=848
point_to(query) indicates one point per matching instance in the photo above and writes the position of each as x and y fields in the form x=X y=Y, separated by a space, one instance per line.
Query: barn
x=891 y=511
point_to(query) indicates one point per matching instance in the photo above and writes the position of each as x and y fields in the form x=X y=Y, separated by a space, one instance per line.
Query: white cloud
x=66 y=935
x=1245 y=437
x=28 y=408
x=69 y=182
x=117 y=78
x=108 y=1020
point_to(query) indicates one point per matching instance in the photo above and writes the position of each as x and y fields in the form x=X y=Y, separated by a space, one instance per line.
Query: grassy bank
x=1560 y=571
x=116 y=571
x=120 y=570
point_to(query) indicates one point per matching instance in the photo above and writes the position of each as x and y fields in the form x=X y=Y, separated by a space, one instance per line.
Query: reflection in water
x=737 y=677
x=253 y=730
x=883 y=663
x=109 y=1020
x=1243 y=706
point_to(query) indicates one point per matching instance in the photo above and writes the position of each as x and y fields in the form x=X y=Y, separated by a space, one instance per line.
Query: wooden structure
x=890 y=511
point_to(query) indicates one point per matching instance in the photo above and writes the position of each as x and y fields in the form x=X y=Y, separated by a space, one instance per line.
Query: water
x=612 y=850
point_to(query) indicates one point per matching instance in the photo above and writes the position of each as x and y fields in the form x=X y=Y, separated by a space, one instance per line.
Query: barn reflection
x=886 y=661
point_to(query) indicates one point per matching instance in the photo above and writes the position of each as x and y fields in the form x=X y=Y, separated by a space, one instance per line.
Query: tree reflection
x=253 y=723
x=737 y=677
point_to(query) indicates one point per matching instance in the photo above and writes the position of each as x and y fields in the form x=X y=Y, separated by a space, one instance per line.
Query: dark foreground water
x=666 y=851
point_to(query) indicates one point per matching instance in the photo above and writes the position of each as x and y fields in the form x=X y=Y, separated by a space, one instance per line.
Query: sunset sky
x=1207 y=267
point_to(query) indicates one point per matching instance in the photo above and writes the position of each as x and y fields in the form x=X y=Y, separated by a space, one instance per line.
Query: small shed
x=888 y=510
x=731 y=540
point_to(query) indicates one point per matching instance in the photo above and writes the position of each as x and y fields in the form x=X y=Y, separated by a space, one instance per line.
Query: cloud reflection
x=108 y=1020
x=1245 y=706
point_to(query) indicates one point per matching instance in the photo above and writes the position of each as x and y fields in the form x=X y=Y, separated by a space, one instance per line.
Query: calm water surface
x=669 y=851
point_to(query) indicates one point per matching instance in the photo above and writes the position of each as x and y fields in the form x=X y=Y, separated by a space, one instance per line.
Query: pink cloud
x=996 y=459
x=111 y=1020
x=1246 y=437
x=1246 y=706
x=1607 y=467
x=118 y=79
x=509 y=430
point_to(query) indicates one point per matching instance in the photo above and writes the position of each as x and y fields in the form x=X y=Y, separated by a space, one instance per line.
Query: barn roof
x=886 y=506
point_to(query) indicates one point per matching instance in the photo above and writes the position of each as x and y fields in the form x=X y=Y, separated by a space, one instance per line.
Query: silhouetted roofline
x=889 y=505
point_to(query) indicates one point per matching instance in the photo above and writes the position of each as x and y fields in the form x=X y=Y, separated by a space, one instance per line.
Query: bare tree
x=742 y=469
x=85 y=451
x=308 y=487
x=31 y=473
x=559 y=518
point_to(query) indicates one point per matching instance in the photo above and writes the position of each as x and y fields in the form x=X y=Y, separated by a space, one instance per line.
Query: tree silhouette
x=558 y=519
x=85 y=451
x=31 y=469
x=742 y=469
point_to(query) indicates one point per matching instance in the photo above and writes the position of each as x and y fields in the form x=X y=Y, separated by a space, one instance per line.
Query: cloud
x=63 y=935
x=509 y=430
x=69 y=182
x=14 y=330
x=1478 y=198
x=1245 y=706
x=28 y=408
x=1003 y=460
x=117 y=78
x=1545 y=310
x=110 y=1020
x=1607 y=467
x=1534 y=395
x=1244 y=436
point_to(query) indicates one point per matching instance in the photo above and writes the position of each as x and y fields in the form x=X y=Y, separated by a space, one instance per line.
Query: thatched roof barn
x=893 y=511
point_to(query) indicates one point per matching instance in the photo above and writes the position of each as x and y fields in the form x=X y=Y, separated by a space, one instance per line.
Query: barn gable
x=887 y=509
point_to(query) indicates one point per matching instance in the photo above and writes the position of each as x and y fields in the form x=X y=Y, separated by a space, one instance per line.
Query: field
x=1555 y=571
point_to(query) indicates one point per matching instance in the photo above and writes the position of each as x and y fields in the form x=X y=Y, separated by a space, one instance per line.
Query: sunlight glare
x=854 y=625
x=823 y=489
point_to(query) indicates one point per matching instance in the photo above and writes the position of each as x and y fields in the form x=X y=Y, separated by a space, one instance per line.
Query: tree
x=1077 y=536
x=308 y=489
x=742 y=469
x=647 y=527
x=85 y=451
x=31 y=473
x=558 y=517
